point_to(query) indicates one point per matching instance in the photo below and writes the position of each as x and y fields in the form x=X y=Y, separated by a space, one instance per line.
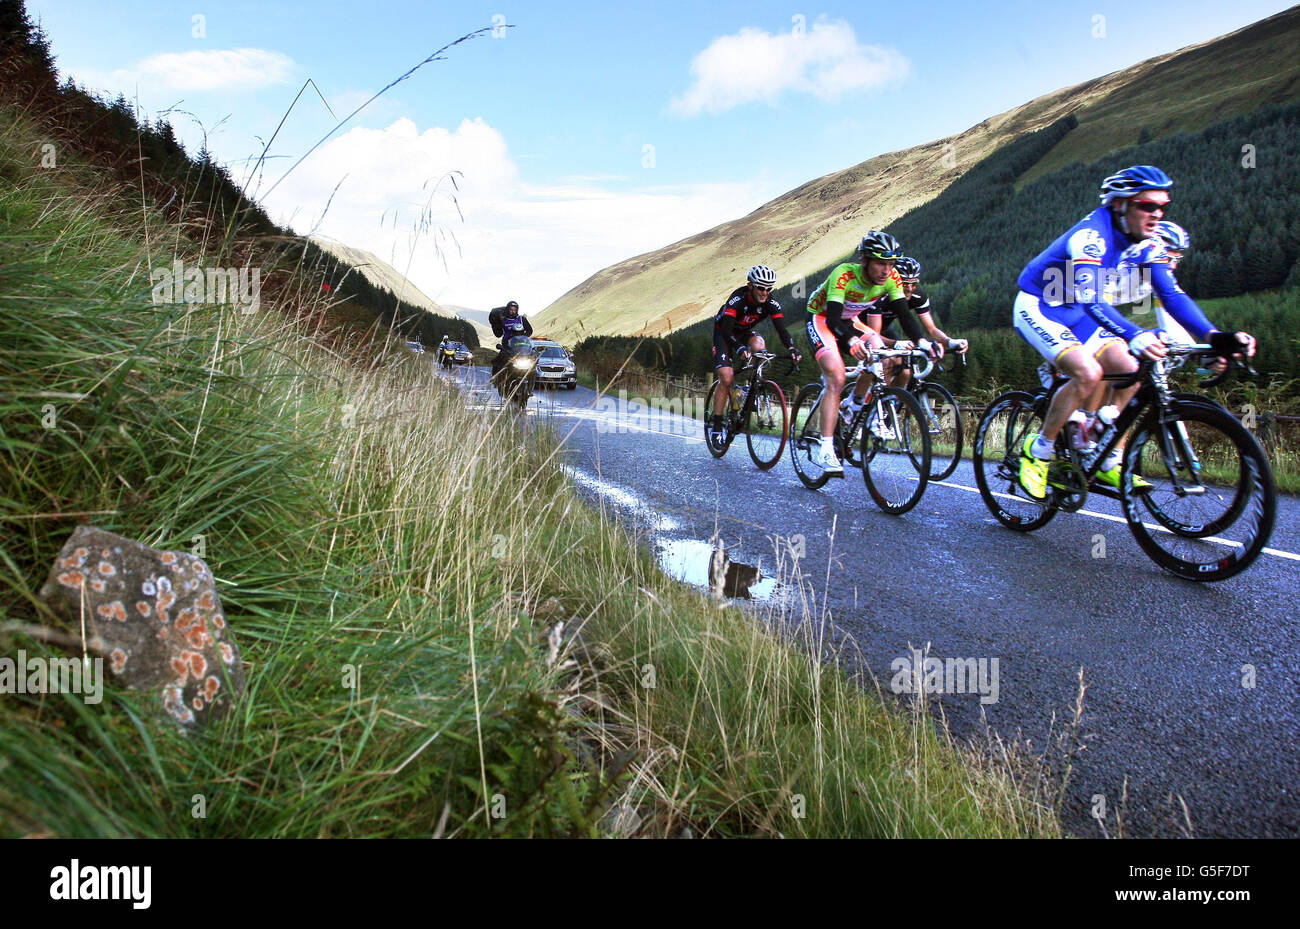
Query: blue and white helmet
x=909 y=269
x=1134 y=180
x=762 y=275
x=1173 y=235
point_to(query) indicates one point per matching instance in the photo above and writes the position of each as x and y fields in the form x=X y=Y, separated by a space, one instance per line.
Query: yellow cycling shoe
x=1033 y=472
x=1111 y=479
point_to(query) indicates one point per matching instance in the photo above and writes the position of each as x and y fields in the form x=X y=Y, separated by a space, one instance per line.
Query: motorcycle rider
x=507 y=322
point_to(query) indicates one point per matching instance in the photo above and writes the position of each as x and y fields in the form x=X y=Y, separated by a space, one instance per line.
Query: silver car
x=554 y=366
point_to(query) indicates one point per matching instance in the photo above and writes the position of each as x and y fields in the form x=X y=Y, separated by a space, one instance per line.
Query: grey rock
x=158 y=618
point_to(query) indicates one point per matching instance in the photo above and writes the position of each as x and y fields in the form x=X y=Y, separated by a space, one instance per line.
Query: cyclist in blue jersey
x=1066 y=309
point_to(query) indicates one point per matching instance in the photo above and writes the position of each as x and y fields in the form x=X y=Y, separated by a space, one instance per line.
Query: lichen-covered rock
x=158 y=617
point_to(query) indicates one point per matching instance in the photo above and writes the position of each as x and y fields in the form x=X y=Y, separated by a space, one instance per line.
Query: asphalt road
x=1192 y=708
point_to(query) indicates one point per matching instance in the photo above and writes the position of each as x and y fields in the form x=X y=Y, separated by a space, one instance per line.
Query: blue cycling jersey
x=1093 y=265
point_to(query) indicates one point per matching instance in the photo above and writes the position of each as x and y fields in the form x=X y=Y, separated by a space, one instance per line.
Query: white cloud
x=518 y=240
x=754 y=66
x=221 y=69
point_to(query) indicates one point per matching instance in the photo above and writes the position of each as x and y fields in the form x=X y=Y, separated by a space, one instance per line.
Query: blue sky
x=586 y=133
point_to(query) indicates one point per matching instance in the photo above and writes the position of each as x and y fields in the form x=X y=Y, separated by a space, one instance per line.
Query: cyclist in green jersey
x=835 y=326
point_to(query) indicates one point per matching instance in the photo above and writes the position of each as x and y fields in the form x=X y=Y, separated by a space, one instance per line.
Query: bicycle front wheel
x=943 y=419
x=995 y=456
x=806 y=436
x=1212 y=494
x=895 y=451
x=717 y=450
x=766 y=424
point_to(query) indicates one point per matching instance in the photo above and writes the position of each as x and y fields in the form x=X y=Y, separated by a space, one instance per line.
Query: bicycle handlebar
x=914 y=353
x=1205 y=351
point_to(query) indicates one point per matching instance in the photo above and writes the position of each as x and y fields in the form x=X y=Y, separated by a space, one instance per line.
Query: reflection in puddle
x=700 y=564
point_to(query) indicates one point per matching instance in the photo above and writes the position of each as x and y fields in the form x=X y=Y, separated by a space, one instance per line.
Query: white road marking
x=620 y=495
x=1119 y=519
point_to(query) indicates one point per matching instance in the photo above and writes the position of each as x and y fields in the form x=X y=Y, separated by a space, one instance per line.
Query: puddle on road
x=697 y=563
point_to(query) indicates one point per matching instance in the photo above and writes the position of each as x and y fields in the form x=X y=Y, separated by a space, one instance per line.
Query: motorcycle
x=517 y=375
x=447 y=356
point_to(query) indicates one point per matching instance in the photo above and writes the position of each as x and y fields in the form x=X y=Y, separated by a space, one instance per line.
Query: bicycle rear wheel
x=1213 y=495
x=806 y=436
x=943 y=418
x=716 y=450
x=995 y=456
x=895 y=451
x=766 y=424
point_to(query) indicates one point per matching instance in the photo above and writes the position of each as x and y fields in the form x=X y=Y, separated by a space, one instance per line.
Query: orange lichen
x=143 y=608
x=112 y=610
x=97 y=586
x=107 y=569
x=219 y=621
x=186 y=617
x=197 y=703
x=206 y=601
x=72 y=578
x=227 y=653
x=198 y=666
x=198 y=633
x=181 y=667
x=168 y=558
x=210 y=688
x=118 y=660
x=75 y=560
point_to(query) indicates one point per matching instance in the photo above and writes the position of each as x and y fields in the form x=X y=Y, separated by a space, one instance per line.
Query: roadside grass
x=517 y=665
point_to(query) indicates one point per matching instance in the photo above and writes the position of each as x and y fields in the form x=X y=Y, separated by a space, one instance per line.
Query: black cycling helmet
x=879 y=245
x=512 y=305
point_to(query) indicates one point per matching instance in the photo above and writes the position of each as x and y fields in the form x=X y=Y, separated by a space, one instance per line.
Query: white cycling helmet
x=762 y=275
x=1173 y=235
x=909 y=269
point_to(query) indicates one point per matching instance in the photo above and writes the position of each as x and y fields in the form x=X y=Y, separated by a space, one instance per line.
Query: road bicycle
x=1212 y=500
x=943 y=418
x=890 y=432
x=757 y=408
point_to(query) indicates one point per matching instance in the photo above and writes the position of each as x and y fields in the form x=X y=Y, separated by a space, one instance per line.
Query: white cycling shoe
x=825 y=459
x=880 y=430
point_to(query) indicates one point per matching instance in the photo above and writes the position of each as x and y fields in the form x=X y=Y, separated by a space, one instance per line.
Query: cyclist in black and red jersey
x=882 y=319
x=733 y=334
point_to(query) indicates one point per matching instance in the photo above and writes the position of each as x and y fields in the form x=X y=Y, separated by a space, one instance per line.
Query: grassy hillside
x=432 y=320
x=817 y=224
x=1187 y=91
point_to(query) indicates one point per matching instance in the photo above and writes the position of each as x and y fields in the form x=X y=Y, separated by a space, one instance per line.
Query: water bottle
x=1105 y=417
x=1076 y=427
x=737 y=399
x=1045 y=376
